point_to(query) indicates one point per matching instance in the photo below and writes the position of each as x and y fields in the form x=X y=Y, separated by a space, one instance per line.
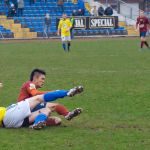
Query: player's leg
x=68 y=43
x=63 y=43
x=145 y=41
x=142 y=39
x=51 y=96
x=53 y=121
x=39 y=118
x=62 y=110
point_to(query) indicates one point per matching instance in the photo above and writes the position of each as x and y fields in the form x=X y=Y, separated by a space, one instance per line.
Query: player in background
x=21 y=115
x=64 y=27
x=72 y=28
x=31 y=88
x=142 y=24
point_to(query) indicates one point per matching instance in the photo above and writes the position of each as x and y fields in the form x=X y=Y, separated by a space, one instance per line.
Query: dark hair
x=35 y=72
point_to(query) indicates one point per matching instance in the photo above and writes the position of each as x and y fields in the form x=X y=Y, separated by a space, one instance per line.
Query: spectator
x=74 y=13
x=45 y=1
x=47 y=23
x=81 y=8
x=20 y=7
x=100 y=11
x=94 y=11
x=32 y=2
x=60 y=3
x=11 y=11
x=108 y=11
x=15 y=3
x=72 y=28
x=7 y=3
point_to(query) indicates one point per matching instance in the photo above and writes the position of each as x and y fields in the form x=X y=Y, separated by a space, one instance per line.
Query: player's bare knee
x=51 y=105
x=45 y=111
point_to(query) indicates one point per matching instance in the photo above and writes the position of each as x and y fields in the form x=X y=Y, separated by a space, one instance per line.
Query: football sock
x=64 y=46
x=142 y=43
x=69 y=46
x=146 y=44
x=61 y=110
x=40 y=118
x=51 y=96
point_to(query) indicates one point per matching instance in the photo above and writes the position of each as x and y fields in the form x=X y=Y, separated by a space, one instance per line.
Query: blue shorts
x=142 y=34
x=40 y=106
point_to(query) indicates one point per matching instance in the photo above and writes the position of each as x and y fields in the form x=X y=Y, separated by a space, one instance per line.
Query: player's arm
x=137 y=24
x=35 y=92
x=59 y=28
x=148 y=24
x=31 y=89
x=69 y=25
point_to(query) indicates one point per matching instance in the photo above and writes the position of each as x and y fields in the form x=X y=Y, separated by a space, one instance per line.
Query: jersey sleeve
x=137 y=21
x=147 y=21
x=31 y=89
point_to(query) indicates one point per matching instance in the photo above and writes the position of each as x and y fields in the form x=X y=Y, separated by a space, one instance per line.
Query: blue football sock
x=51 y=96
x=40 y=118
x=64 y=46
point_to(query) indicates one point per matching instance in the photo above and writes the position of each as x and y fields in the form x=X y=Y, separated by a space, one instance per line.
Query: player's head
x=64 y=16
x=38 y=77
x=142 y=13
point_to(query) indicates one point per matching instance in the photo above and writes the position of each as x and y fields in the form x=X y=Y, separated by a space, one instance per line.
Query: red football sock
x=61 y=110
x=142 y=43
x=146 y=44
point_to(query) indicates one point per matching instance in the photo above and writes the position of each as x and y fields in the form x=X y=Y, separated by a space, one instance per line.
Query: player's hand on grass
x=1 y=85
x=58 y=33
x=67 y=29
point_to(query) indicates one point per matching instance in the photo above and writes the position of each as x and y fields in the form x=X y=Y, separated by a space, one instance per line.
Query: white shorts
x=65 y=38
x=16 y=113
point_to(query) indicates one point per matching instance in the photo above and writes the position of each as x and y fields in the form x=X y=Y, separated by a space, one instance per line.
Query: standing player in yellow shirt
x=64 y=27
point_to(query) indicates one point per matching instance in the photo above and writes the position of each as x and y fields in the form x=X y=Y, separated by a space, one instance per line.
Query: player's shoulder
x=29 y=84
x=61 y=20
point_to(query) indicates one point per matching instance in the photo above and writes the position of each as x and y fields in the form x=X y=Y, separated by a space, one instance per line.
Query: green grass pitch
x=116 y=100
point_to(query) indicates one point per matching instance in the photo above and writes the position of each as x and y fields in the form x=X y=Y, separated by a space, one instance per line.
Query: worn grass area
x=116 y=101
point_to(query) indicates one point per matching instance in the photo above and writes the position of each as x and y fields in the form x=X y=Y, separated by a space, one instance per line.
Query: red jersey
x=28 y=90
x=143 y=23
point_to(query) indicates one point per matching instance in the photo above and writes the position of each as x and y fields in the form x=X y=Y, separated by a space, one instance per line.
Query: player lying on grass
x=30 y=88
x=64 y=27
x=142 y=25
x=17 y=115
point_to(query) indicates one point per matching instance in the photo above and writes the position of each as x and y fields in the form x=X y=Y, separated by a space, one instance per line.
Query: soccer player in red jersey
x=143 y=25
x=30 y=89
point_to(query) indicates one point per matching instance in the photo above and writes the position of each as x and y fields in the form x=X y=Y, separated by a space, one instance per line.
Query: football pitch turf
x=116 y=100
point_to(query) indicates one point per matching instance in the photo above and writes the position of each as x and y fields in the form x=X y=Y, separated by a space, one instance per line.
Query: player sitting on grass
x=143 y=24
x=19 y=114
x=30 y=89
x=64 y=27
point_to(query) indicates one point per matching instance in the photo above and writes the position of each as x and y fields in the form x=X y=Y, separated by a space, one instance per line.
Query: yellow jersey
x=2 y=114
x=64 y=25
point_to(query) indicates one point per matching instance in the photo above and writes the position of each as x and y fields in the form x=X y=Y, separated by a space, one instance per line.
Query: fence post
x=106 y=3
x=118 y=6
x=131 y=15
